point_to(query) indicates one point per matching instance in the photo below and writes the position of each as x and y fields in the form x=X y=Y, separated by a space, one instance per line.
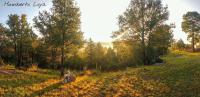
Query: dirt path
x=9 y=72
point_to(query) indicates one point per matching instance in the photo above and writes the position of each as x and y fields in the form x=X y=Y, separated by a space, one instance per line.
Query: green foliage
x=61 y=32
x=152 y=55
x=141 y=23
x=90 y=53
x=161 y=39
x=3 y=42
x=99 y=56
x=76 y=58
x=21 y=37
x=110 y=60
x=180 y=45
x=190 y=25
x=127 y=53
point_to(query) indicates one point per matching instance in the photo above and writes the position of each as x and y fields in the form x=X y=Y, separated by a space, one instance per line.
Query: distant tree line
x=143 y=37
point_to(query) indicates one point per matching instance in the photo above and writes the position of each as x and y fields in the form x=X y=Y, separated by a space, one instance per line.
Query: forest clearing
x=178 y=77
x=127 y=48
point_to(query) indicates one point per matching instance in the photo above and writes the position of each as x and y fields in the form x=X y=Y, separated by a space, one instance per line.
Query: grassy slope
x=179 y=77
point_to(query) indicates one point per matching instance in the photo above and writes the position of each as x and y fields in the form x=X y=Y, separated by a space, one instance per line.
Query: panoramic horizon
x=99 y=17
x=50 y=53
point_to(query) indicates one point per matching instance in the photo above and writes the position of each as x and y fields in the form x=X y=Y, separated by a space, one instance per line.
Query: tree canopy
x=140 y=21
x=191 y=25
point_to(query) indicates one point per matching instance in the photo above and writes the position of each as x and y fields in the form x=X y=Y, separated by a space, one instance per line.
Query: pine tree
x=64 y=27
x=21 y=35
x=90 y=53
x=191 y=26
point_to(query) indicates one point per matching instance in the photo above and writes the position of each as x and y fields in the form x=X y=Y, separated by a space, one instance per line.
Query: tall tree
x=191 y=25
x=164 y=34
x=25 y=41
x=110 y=58
x=3 y=41
x=67 y=19
x=44 y=24
x=21 y=35
x=65 y=25
x=14 y=26
x=90 y=52
x=99 y=56
x=140 y=20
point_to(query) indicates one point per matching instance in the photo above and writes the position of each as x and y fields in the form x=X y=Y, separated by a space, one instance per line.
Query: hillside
x=179 y=77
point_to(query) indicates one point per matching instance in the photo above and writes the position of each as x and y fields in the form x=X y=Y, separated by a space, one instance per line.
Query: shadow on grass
x=49 y=88
x=20 y=82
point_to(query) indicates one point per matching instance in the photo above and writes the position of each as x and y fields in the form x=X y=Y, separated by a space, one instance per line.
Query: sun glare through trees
x=51 y=52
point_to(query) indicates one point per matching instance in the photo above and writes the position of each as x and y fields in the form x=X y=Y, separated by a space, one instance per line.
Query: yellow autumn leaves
x=114 y=84
x=179 y=78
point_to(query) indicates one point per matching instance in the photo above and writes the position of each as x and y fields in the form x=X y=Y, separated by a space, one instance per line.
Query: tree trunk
x=1 y=60
x=53 y=58
x=143 y=50
x=96 y=66
x=20 y=52
x=193 y=43
x=62 y=62
x=32 y=57
x=149 y=37
x=16 y=53
x=142 y=36
x=143 y=46
x=18 y=56
x=62 y=57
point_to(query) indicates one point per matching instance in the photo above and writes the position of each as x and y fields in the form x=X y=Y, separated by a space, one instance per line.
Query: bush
x=151 y=55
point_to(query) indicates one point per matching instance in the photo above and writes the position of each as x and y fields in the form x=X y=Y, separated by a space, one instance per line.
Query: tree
x=140 y=20
x=190 y=25
x=21 y=35
x=90 y=53
x=25 y=42
x=44 y=24
x=163 y=33
x=14 y=27
x=3 y=41
x=160 y=41
x=67 y=21
x=180 y=44
x=111 y=61
x=128 y=53
x=64 y=24
x=99 y=56
x=76 y=59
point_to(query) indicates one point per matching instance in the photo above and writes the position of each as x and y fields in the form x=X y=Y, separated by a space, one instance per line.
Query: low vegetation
x=179 y=77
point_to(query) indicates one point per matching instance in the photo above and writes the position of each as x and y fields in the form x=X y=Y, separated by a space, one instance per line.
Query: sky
x=99 y=17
